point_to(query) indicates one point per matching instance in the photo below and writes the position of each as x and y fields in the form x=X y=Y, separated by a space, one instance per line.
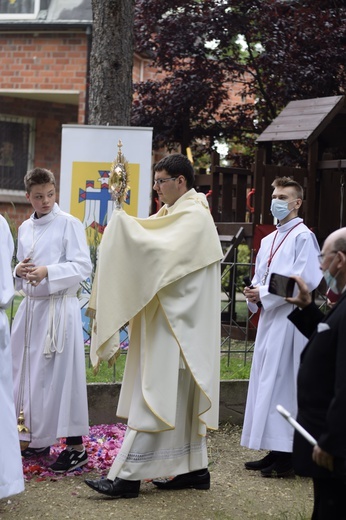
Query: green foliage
x=242 y=267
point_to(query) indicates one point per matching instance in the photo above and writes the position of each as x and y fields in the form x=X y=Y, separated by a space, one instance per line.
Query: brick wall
x=17 y=213
x=45 y=61
x=142 y=70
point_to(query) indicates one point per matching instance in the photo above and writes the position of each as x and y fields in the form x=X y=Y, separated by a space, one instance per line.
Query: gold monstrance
x=118 y=178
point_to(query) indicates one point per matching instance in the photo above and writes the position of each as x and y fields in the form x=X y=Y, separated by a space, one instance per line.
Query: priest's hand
x=303 y=298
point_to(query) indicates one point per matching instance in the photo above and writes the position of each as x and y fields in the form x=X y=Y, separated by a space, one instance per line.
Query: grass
x=106 y=374
x=234 y=369
x=12 y=309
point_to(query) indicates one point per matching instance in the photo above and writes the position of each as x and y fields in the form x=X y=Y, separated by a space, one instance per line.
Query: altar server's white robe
x=55 y=396
x=278 y=342
x=11 y=471
x=162 y=274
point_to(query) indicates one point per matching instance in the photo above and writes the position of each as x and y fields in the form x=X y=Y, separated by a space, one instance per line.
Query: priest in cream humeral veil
x=162 y=276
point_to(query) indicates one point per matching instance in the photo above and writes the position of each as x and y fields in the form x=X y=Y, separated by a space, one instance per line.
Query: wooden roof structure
x=303 y=120
x=321 y=123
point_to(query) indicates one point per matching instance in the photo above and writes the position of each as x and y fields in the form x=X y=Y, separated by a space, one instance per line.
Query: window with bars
x=16 y=150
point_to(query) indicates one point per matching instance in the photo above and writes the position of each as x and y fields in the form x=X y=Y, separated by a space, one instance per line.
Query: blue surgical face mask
x=331 y=281
x=279 y=208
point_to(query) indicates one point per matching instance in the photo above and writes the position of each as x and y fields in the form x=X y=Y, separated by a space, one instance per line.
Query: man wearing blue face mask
x=322 y=385
x=290 y=250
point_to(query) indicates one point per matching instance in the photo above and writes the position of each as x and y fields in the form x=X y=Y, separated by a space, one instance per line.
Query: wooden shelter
x=320 y=123
x=241 y=198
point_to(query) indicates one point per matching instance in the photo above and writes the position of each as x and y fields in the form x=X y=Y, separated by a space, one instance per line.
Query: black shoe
x=199 y=479
x=262 y=463
x=281 y=468
x=118 y=488
x=28 y=453
x=69 y=460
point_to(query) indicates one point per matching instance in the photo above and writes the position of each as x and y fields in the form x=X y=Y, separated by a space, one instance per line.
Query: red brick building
x=44 y=67
x=44 y=59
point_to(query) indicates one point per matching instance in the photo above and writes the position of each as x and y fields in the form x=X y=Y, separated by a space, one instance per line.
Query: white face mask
x=279 y=208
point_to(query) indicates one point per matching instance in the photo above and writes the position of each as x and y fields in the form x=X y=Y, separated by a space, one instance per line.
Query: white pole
x=296 y=425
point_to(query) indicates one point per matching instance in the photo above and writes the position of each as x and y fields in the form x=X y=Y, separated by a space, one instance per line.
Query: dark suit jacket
x=321 y=386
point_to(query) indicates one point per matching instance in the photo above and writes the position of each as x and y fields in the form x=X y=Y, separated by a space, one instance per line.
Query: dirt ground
x=235 y=494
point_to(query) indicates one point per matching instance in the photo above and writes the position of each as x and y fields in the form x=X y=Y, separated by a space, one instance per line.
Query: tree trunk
x=111 y=60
